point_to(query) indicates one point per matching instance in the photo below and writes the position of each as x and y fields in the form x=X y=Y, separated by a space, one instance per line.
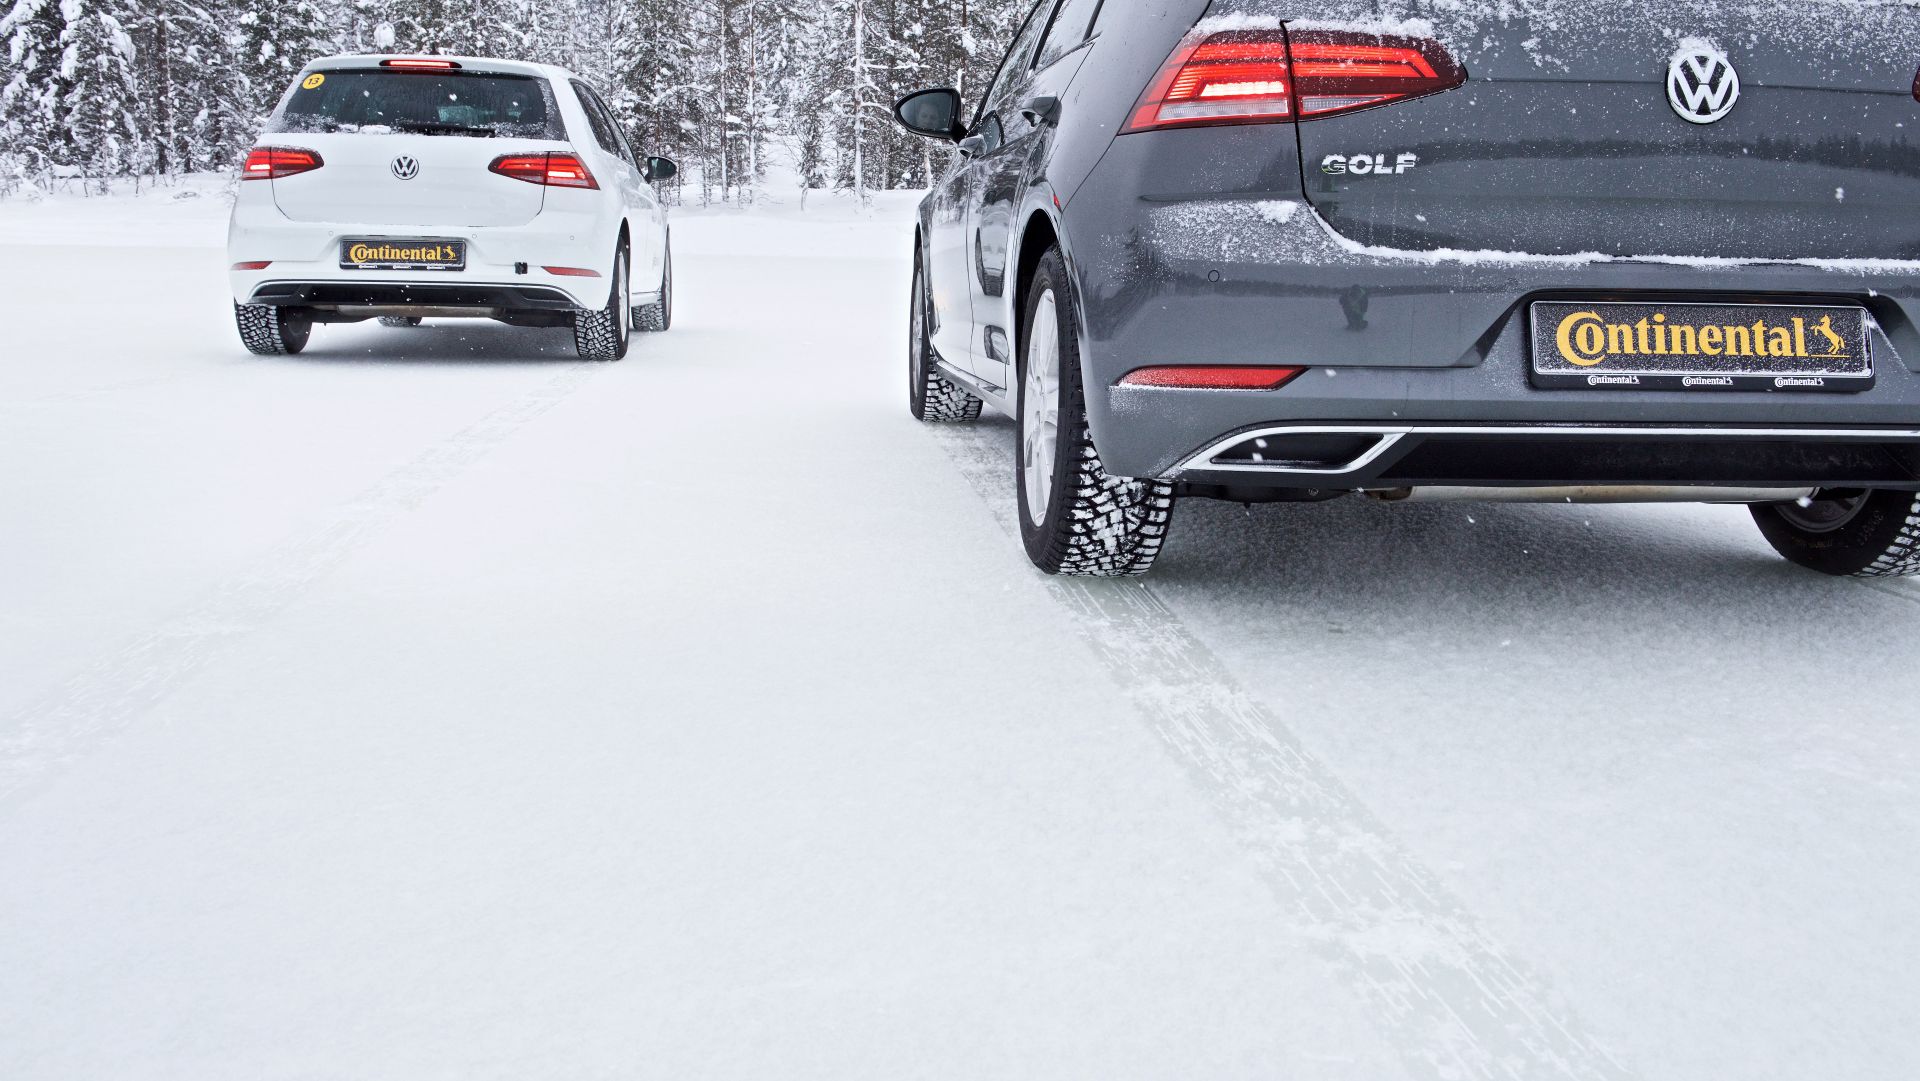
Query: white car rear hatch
x=411 y=144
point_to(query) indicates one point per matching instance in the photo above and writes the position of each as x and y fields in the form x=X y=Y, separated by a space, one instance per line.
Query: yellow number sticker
x=314 y=81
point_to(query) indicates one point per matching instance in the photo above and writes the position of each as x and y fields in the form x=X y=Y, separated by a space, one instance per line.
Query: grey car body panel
x=1223 y=245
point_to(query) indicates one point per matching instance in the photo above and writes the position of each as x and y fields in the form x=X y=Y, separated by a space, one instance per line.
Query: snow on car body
x=1297 y=249
x=405 y=187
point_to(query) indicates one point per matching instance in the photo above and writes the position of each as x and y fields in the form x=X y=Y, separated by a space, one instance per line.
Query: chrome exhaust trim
x=1621 y=493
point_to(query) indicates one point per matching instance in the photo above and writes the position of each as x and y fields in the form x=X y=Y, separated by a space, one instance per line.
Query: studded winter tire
x=1074 y=517
x=931 y=396
x=1857 y=533
x=604 y=334
x=271 y=332
x=657 y=317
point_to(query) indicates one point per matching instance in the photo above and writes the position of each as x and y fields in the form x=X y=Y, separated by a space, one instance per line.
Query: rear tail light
x=420 y=64
x=1211 y=377
x=551 y=170
x=274 y=162
x=1339 y=72
x=1269 y=76
x=570 y=272
x=255 y=264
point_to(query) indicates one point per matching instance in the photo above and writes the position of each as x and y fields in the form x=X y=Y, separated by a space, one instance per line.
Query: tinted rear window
x=436 y=103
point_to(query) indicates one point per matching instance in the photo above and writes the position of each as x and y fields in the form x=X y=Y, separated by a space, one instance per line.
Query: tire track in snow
x=103 y=699
x=1907 y=589
x=1453 y=1002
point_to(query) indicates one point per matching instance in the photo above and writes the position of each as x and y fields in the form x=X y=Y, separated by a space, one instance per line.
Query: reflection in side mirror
x=662 y=169
x=932 y=113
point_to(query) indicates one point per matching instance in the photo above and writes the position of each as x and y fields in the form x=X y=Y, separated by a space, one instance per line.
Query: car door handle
x=1042 y=110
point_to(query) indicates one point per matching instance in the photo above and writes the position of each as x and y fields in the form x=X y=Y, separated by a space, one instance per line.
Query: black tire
x=931 y=396
x=271 y=332
x=400 y=321
x=657 y=318
x=1092 y=525
x=605 y=334
x=1853 y=533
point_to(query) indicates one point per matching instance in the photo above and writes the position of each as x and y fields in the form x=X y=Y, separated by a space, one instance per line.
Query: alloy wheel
x=1040 y=407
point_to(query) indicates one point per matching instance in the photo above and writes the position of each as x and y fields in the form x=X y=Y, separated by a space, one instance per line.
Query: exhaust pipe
x=1619 y=493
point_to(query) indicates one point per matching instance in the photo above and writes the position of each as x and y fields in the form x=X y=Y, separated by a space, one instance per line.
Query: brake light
x=419 y=64
x=1269 y=76
x=1211 y=377
x=274 y=162
x=551 y=170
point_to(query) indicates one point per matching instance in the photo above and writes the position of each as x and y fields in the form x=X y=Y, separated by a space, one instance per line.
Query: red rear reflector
x=552 y=170
x=1267 y=76
x=260 y=265
x=420 y=64
x=274 y=162
x=1205 y=377
x=571 y=271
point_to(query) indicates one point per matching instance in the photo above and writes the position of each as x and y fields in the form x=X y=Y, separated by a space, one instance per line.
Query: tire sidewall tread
x=1096 y=525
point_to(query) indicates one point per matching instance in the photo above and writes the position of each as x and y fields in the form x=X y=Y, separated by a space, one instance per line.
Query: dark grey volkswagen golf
x=1546 y=250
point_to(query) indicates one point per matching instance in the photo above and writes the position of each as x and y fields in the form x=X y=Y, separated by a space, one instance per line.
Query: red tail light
x=274 y=162
x=1269 y=76
x=1211 y=377
x=551 y=170
x=419 y=64
x=1338 y=72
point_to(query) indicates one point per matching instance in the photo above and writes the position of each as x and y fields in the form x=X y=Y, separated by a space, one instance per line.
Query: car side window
x=613 y=125
x=598 y=120
x=1019 y=62
x=1072 y=26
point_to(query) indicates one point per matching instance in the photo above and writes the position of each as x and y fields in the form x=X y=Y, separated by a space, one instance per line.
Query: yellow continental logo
x=388 y=253
x=314 y=82
x=1587 y=340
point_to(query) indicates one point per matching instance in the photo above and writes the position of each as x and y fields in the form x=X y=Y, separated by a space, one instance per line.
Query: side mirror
x=661 y=169
x=932 y=113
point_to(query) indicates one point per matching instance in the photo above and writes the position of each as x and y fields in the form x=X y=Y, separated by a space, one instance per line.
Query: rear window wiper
x=431 y=127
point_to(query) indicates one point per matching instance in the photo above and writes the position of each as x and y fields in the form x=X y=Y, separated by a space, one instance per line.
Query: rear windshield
x=432 y=103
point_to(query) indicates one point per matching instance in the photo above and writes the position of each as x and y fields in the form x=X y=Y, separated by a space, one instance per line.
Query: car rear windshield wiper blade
x=430 y=127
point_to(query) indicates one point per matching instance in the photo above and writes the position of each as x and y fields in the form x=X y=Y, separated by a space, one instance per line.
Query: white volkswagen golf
x=399 y=188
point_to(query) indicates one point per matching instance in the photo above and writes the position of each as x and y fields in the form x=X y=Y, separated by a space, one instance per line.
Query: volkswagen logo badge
x=405 y=168
x=1702 y=85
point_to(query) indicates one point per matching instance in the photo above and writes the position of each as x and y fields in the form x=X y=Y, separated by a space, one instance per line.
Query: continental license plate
x=403 y=254
x=1704 y=347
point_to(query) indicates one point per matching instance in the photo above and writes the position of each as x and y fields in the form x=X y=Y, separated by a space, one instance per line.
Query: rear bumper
x=1408 y=342
x=1385 y=457
x=352 y=300
x=504 y=263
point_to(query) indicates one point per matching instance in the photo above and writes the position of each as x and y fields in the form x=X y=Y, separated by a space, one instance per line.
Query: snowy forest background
x=93 y=90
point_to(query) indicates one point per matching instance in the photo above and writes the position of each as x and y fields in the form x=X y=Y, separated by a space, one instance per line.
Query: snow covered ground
x=433 y=706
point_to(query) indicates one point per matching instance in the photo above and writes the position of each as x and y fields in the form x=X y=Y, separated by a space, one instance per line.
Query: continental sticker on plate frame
x=1702 y=347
